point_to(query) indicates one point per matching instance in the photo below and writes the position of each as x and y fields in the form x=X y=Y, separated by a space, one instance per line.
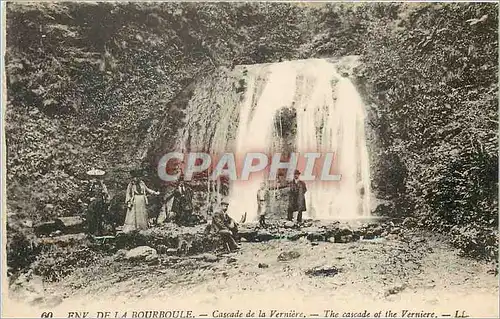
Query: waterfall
x=255 y=132
x=330 y=117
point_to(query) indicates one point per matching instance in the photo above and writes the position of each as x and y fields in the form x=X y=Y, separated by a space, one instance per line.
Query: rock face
x=140 y=253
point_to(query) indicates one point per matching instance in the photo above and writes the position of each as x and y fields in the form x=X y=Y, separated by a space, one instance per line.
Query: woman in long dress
x=136 y=200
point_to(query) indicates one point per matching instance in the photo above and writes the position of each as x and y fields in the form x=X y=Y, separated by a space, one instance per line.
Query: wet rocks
x=264 y=235
x=293 y=236
x=323 y=271
x=288 y=255
x=344 y=239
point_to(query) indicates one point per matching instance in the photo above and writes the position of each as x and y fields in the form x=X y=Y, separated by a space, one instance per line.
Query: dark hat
x=136 y=172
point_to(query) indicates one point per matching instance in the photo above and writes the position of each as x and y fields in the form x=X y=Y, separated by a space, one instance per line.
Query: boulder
x=142 y=253
x=288 y=255
x=171 y=251
x=264 y=235
x=343 y=239
x=317 y=236
x=70 y=225
x=120 y=254
x=289 y=224
x=46 y=228
x=296 y=235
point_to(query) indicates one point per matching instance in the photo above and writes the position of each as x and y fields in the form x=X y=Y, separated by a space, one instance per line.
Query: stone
x=409 y=222
x=345 y=230
x=46 y=228
x=171 y=251
x=264 y=235
x=288 y=255
x=296 y=236
x=263 y=265
x=343 y=239
x=323 y=271
x=145 y=253
x=289 y=224
x=369 y=235
x=70 y=225
x=210 y=258
x=120 y=254
x=316 y=234
x=396 y=230
x=27 y=223
x=395 y=289
x=231 y=260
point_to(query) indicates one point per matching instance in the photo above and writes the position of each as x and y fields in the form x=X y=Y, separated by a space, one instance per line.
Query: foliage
x=55 y=264
x=434 y=78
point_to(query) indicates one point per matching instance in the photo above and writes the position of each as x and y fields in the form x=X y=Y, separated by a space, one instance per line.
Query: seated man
x=225 y=226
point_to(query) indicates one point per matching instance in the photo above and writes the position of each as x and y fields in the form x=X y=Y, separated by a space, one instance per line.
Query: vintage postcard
x=249 y=159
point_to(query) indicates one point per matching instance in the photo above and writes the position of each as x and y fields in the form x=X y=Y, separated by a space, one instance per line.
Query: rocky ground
x=341 y=268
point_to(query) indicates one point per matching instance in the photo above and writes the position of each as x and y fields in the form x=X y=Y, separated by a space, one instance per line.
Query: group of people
x=296 y=200
x=137 y=217
x=98 y=200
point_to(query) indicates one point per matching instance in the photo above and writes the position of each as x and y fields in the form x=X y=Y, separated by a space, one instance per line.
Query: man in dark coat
x=297 y=199
x=225 y=226
x=97 y=200
x=182 y=206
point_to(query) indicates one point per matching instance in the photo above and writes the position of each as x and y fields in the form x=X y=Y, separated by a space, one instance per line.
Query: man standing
x=262 y=203
x=297 y=199
x=97 y=198
x=182 y=206
x=225 y=226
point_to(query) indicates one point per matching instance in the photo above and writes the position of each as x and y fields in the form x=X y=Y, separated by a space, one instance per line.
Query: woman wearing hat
x=136 y=200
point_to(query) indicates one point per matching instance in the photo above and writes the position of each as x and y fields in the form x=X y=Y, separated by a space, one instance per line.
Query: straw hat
x=96 y=172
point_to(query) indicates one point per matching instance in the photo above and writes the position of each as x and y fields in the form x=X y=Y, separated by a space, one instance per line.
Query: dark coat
x=222 y=221
x=97 y=198
x=183 y=201
x=297 y=196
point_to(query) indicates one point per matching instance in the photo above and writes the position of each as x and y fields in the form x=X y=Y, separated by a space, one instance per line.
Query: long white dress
x=136 y=199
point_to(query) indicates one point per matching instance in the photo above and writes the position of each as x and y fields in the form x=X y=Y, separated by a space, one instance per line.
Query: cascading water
x=330 y=117
x=255 y=132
